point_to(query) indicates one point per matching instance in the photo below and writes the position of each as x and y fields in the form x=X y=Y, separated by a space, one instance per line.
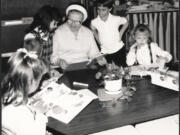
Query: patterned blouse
x=46 y=39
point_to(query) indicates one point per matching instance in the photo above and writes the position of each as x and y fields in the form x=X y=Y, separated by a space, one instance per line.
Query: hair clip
x=29 y=36
x=22 y=50
x=31 y=54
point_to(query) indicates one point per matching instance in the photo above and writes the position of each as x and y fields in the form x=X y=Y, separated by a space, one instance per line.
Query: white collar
x=109 y=18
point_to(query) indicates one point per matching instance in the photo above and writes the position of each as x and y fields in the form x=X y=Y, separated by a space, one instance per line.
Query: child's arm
x=121 y=32
x=95 y=32
x=124 y=22
x=161 y=54
x=131 y=56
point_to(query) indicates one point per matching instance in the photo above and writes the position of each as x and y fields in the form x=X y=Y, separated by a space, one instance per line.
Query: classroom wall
x=12 y=37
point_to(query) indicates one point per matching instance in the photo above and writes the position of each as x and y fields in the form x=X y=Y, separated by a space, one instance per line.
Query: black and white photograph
x=90 y=67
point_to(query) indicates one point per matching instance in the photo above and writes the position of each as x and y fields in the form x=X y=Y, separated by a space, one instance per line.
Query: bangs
x=142 y=33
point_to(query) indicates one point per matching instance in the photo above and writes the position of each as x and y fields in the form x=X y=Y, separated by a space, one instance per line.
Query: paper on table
x=63 y=103
x=169 y=79
x=71 y=104
x=125 y=130
x=163 y=126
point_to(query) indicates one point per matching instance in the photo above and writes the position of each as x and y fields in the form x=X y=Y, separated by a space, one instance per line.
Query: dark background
x=14 y=9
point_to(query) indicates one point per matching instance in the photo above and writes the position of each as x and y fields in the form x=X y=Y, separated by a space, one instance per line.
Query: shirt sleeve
x=160 y=52
x=54 y=56
x=29 y=36
x=131 y=57
x=122 y=20
x=93 y=22
x=28 y=124
x=93 y=51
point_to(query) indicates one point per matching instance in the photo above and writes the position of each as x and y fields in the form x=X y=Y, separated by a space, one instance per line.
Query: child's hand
x=48 y=133
x=62 y=63
x=98 y=75
x=101 y=61
x=134 y=46
x=54 y=73
x=161 y=61
x=138 y=45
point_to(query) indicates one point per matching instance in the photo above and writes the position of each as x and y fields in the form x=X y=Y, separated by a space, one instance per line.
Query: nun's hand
x=101 y=61
x=62 y=63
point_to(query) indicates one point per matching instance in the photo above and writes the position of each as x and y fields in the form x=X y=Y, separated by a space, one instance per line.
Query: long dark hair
x=43 y=18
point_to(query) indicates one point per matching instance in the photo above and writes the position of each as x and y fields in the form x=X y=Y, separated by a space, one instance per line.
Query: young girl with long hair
x=22 y=79
x=45 y=21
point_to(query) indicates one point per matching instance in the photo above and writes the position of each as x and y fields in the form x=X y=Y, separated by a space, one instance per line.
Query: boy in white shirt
x=106 y=31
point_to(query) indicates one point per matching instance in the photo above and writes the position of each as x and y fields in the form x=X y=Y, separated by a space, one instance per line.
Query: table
x=148 y=103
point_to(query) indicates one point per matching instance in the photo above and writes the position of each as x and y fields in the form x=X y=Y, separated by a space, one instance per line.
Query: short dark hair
x=104 y=3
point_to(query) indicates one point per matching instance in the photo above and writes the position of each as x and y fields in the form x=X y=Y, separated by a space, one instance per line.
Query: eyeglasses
x=70 y=21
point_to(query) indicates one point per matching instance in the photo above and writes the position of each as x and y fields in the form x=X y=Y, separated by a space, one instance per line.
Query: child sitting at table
x=45 y=21
x=34 y=44
x=108 y=31
x=22 y=79
x=144 y=51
